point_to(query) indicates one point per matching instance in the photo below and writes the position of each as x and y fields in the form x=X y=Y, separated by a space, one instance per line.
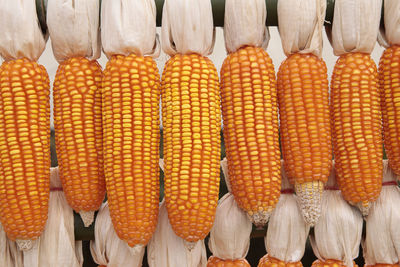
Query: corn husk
x=337 y=234
x=300 y=25
x=21 y=35
x=129 y=26
x=10 y=256
x=244 y=24
x=390 y=34
x=74 y=28
x=382 y=241
x=355 y=26
x=230 y=234
x=169 y=250
x=187 y=27
x=107 y=249
x=287 y=231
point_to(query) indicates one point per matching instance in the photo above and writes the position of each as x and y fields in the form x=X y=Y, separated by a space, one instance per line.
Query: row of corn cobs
x=107 y=135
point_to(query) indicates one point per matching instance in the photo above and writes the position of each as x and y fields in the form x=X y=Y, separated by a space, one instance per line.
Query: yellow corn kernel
x=268 y=261
x=330 y=263
x=389 y=78
x=356 y=128
x=25 y=146
x=250 y=112
x=131 y=145
x=191 y=129
x=79 y=134
x=217 y=262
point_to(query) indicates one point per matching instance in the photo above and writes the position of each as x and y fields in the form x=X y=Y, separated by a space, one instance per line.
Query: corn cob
x=77 y=121
x=389 y=77
x=217 y=262
x=330 y=263
x=131 y=144
x=303 y=96
x=24 y=140
x=268 y=261
x=249 y=106
x=191 y=128
x=356 y=126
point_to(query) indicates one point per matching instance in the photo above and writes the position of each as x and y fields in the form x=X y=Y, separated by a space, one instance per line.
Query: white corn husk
x=244 y=24
x=355 y=26
x=10 y=256
x=225 y=170
x=187 y=27
x=390 y=34
x=107 y=249
x=74 y=28
x=57 y=243
x=287 y=231
x=129 y=26
x=300 y=25
x=169 y=250
x=382 y=241
x=230 y=234
x=337 y=234
x=21 y=35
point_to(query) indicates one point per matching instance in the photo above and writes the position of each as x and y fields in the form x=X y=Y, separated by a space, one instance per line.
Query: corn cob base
x=356 y=125
x=25 y=146
x=310 y=197
x=78 y=128
x=191 y=128
x=217 y=262
x=131 y=98
x=268 y=261
x=330 y=263
x=250 y=112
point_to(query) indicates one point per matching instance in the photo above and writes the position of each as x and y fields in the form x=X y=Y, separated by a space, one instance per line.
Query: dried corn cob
x=249 y=106
x=268 y=261
x=389 y=77
x=131 y=141
x=24 y=140
x=77 y=121
x=303 y=95
x=217 y=262
x=330 y=263
x=191 y=126
x=356 y=126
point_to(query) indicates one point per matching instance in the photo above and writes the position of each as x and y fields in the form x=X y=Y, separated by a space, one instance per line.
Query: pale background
x=274 y=49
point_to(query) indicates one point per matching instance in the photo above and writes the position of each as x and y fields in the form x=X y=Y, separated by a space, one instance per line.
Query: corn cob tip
x=259 y=218
x=310 y=197
x=87 y=217
x=363 y=207
x=24 y=245
x=189 y=245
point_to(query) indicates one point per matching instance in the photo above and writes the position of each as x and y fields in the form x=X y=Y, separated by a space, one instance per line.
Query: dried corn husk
x=10 y=256
x=300 y=25
x=107 y=249
x=244 y=24
x=355 y=26
x=390 y=34
x=337 y=234
x=382 y=241
x=169 y=250
x=192 y=32
x=129 y=26
x=230 y=234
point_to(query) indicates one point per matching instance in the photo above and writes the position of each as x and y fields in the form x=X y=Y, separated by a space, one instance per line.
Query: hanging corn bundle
x=381 y=246
x=250 y=111
x=130 y=109
x=77 y=102
x=337 y=234
x=303 y=96
x=191 y=118
x=355 y=109
x=24 y=124
x=107 y=249
x=287 y=231
x=389 y=74
x=230 y=235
